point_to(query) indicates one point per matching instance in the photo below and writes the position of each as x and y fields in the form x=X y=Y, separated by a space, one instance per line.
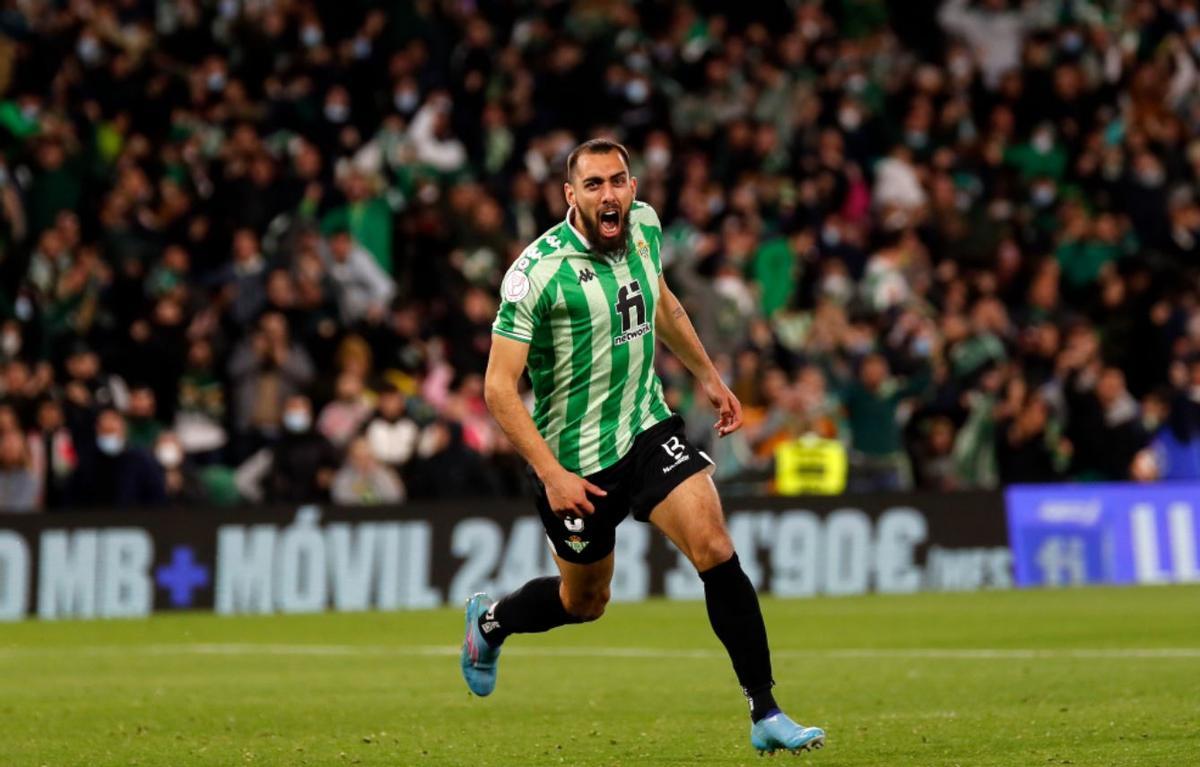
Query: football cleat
x=478 y=658
x=779 y=733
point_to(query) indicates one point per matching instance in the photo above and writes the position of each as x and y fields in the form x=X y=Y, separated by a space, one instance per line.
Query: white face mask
x=311 y=36
x=297 y=421
x=336 y=113
x=169 y=454
x=658 y=158
x=637 y=91
x=405 y=101
x=10 y=344
x=110 y=444
x=89 y=51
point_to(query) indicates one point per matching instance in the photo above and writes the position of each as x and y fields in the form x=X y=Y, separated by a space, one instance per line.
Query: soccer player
x=582 y=308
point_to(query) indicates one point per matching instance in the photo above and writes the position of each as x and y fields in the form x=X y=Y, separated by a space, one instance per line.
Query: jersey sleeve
x=522 y=304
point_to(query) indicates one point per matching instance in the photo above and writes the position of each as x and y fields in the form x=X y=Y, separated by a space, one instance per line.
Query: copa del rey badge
x=516 y=286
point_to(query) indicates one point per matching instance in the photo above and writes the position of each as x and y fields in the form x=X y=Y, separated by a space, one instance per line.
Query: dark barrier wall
x=419 y=556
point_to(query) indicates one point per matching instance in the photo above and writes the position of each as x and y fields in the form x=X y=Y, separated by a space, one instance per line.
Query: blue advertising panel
x=1104 y=533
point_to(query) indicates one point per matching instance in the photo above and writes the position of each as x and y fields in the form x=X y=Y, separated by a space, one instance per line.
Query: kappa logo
x=587 y=275
x=577 y=544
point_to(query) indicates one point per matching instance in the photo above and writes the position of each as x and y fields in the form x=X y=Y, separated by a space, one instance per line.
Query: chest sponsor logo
x=631 y=306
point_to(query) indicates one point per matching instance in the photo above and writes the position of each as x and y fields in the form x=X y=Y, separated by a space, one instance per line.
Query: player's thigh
x=691 y=517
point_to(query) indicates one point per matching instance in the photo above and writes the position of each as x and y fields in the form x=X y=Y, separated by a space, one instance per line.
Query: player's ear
x=633 y=185
x=569 y=193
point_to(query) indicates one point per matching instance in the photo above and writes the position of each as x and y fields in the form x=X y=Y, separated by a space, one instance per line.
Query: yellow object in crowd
x=810 y=465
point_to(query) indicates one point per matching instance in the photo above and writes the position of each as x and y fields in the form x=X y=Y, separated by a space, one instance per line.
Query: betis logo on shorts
x=577 y=544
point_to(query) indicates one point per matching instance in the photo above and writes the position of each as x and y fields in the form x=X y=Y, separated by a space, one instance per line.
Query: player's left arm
x=672 y=325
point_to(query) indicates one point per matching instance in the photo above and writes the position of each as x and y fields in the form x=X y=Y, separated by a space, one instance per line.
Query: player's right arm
x=566 y=492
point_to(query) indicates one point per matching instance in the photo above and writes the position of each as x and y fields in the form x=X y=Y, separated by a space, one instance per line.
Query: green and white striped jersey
x=589 y=323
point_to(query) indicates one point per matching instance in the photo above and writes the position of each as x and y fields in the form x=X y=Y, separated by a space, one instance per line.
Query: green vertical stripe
x=542 y=359
x=561 y=331
x=581 y=369
x=610 y=414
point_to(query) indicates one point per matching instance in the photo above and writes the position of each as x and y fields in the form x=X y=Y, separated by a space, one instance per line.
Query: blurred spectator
x=362 y=288
x=52 y=453
x=200 y=418
x=20 y=486
x=390 y=433
x=342 y=418
x=142 y=426
x=872 y=403
x=181 y=481
x=112 y=473
x=298 y=468
x=1026 y=447
x=364 y=481
x=447 y=468
x=266 y=370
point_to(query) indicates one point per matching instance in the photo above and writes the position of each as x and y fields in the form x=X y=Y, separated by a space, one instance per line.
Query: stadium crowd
x=250 y=249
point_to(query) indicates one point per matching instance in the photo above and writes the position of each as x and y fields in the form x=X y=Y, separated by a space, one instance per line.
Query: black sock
x=531 y=609
x=737 y=621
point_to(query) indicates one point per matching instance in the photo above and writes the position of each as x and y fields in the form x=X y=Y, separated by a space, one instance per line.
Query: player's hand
x=568 y=494
x=726 y=405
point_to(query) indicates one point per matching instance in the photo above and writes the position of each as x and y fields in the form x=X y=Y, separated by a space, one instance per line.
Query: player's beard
x=608 y=247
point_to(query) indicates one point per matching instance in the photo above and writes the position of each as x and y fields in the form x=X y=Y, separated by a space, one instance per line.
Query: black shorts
x=659 y=460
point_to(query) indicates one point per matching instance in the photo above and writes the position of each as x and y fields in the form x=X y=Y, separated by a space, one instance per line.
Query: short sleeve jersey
x=589 y=323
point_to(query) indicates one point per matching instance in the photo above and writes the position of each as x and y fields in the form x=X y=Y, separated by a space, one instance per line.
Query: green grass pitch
x=1077 y=677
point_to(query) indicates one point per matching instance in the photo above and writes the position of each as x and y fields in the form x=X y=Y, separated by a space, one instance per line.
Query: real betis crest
x=643 y=249
x=577 y=544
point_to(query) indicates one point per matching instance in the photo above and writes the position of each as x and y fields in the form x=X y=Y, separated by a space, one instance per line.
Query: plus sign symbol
x=182 y=576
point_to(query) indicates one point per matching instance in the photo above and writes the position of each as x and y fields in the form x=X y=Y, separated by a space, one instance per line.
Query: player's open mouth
x=610 y=222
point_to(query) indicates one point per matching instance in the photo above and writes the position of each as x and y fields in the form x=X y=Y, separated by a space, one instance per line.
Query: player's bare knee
x=714 y=549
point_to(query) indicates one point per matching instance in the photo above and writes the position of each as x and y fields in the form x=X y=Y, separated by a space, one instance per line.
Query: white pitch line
x=351 y=650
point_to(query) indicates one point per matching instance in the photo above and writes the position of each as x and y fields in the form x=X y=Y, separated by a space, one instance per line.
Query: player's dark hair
x=595 y=146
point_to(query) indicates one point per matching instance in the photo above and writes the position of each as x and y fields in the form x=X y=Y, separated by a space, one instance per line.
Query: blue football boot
x=779 y=733
x=478 y=658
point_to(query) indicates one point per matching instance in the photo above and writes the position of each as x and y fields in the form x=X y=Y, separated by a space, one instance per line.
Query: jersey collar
x=578 y=235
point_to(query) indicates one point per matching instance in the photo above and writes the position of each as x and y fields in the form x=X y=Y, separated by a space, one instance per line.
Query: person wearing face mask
x=182 y=483
x=299 y=468
x=114 y=474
